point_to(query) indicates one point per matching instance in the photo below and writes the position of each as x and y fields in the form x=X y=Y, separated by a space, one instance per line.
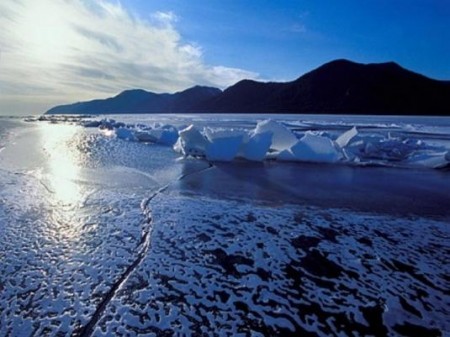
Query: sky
x=63 y=51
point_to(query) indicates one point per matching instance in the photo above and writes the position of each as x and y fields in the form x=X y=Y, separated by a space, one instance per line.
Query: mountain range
x=337 y=87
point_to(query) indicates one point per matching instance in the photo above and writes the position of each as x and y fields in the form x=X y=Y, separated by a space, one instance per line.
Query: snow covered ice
x=269 y=139
x=105 y=229
x=345 y=143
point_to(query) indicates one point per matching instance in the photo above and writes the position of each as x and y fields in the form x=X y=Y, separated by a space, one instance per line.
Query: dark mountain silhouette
x=141 y=101
x=337 y=87
x=341 y=86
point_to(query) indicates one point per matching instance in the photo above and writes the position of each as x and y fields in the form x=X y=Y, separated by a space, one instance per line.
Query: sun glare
x=62 y=168
x=47 y=33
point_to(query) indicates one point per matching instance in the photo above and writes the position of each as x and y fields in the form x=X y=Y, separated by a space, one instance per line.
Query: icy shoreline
x=363 y=144
x=103 y=236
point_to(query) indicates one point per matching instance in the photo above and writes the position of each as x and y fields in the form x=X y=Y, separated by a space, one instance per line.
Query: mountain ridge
x=337 y=87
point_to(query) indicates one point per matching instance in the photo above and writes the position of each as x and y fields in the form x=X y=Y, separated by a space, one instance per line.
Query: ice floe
x=124 y=133
x=383 y=144
x=312 y=148
x=343 y=140
x=257 y=146
x=282 y=137
x=165 y=135
x=191 y=142
x=431 y=160
x=223 y=144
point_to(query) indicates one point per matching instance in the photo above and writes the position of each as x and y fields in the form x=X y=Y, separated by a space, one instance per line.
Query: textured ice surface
x=242 y=248
x=218 y=267
x=58 y=260
x=70 y=223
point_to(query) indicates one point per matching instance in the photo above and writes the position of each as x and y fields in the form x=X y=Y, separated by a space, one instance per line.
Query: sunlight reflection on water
x=63 y=169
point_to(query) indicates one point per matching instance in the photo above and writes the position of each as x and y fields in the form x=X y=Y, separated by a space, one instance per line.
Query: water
x=101 y=236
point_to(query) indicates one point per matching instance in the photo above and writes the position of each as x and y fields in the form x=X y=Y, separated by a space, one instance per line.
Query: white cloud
x=165 y=17
x=224 y=76
x=57 y=51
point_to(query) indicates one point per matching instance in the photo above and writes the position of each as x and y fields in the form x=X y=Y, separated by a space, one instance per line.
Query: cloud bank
x=58 y=51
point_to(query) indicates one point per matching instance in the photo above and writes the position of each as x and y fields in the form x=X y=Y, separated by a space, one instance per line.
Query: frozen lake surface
x=103 y=236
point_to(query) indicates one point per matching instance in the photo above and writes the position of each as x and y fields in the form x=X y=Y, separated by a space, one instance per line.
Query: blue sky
x=283 y=39
x=56 y=51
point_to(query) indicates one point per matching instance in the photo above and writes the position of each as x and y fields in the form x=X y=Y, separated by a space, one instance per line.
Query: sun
x=46 y=32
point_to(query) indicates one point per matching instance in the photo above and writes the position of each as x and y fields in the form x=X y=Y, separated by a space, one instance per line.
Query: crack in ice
x=143 y=246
